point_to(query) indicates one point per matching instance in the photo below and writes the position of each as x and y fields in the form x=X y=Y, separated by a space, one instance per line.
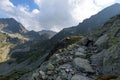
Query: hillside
x=47 y=33
x=10 y=25
x=95 y=57
x=90 y=24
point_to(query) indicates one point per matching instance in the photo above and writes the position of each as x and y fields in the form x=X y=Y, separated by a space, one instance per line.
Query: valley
x=88 y=51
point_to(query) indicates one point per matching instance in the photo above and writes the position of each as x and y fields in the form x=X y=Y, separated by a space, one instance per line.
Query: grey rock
x=35 y=76
x=79 y=77
x=80 y=49
x=50 y=66
x=49 y=72
x=63 y=75
x=79 y=54
x=97 y=59
x=82 y=64
x=64 y=66
x=58 y=78
x=42 y=74
x=102 y=39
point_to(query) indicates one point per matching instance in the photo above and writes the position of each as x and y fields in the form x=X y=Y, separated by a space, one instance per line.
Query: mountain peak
x=10 y=25
x=116 y=4
x=47 y=32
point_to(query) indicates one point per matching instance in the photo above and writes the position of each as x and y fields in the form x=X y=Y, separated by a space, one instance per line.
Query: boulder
x=80 y=49
x=102 y=39
x=82 y=64
x=50 y=66
x=79 y=54
x=79 y=77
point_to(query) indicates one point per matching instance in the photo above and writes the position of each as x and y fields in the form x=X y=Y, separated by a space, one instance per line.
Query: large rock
x=97 y=59
x=102 y=39
x=82 y=64
x=50 y=66
x=80 y=54
x=81 y=50
x=79 y=77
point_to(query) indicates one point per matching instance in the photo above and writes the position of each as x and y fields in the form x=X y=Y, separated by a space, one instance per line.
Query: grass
x=73 y=39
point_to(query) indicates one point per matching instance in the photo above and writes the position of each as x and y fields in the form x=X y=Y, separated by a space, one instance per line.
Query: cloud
x=21 y=14
x=104 y=2
x=84 y=9
x=53 y=14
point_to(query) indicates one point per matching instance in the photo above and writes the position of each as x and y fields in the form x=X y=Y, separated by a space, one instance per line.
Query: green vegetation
x=72 y=39
x=113 y=40
x=14 y=75
x=35 y=55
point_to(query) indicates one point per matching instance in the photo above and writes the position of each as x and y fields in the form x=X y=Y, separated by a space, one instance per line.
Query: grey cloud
x=52 y=14
x=55 y=13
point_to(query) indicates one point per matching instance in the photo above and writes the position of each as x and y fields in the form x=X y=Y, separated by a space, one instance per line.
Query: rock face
x=102 y=39
x=82 y=64
x=79 y=77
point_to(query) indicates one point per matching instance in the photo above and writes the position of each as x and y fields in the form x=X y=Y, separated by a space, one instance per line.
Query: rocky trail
x=72 y=63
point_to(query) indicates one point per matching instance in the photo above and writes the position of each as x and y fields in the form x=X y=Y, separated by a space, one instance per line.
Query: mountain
x=34 y=36
x=89 y=24
x=10 y=25
x=20 y=49
x=95 y=56
x=47 y=33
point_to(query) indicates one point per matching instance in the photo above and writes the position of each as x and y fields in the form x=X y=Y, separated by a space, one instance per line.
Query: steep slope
x=89 y=24
x=10 y=25
x=47 y=33
x=21 y=51
x=7 y=42
x=34 y=36
x=95 y=57
x=4 y=48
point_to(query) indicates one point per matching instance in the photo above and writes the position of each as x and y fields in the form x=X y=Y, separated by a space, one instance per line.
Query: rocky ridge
x=95 y=57
x=67 y=64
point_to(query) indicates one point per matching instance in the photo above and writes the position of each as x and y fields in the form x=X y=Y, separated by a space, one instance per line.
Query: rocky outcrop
x=96 y=57
x=66 y=65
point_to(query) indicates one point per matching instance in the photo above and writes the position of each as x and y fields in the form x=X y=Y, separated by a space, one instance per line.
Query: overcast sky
x=51 y=14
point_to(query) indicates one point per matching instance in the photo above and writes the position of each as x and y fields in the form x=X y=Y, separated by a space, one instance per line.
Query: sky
x=51 y=14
